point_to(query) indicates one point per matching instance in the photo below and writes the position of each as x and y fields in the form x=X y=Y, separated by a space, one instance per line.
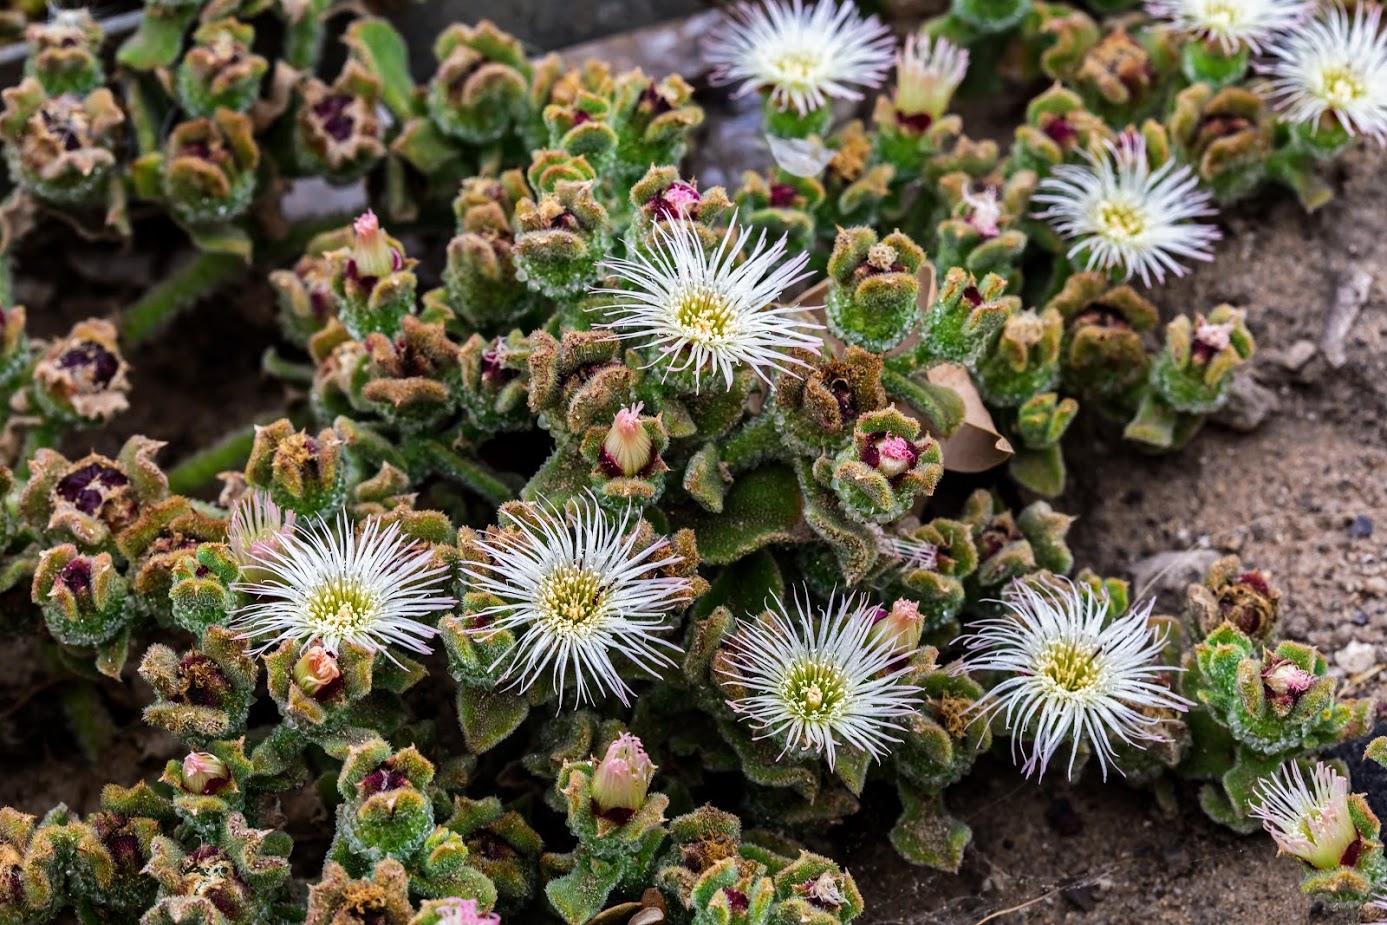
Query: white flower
x=1126 y=215
x=334 y=585
x=1070 y=675
x=1334 y=64
x=802 y=55
x=928 y=71
x=705 y=310
x=1234 y=24
x=1308 y=819
x=909 y=553
x=256 y=526
x=817 y=682
x=577 y=591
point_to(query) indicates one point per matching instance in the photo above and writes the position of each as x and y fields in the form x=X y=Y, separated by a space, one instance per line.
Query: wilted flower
x=802 y=55
x=1125 y=216
x=622 y=778
x=1309 y=819
x=1070 y=674
x=578 y=592
x=708 y=311
x=817 y=681
x=1334 y=65
x=331 y=584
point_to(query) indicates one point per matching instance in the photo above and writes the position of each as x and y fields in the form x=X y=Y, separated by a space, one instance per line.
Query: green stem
x=286 y=370
x=230 y=452
x=195 y=279
x=757 y=442
x=469 y=472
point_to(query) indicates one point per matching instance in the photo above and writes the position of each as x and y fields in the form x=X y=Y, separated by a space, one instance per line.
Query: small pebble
x=1360 y=619
x=1361 y=528
x=1356 y=657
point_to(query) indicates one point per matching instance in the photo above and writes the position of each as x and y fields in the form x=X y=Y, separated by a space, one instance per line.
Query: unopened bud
x=898 y=629
x=627 y=449
x=204 y=773
x=622 y=778
x=372 y=253
x=316 y=670
x=1286 y=681
x=891 y=455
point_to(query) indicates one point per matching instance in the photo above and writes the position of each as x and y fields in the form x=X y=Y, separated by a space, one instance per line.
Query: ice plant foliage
x=817 y=680
x=1123 y=216
x=710 y=311
x=1233 y=24
x=1309 y=819
x=802 y=54
x=1334 y=65
x=578 y=593
x=334 y=584
x=1071 y=674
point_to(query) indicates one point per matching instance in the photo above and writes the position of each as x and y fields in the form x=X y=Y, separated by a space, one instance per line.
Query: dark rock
x=1062 y=818
x=1361 y=528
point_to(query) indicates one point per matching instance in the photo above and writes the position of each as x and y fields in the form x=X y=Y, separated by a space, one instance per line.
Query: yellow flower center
x=797 y=67
x=1342 y=85
x=1071 y=667
x=704 y=313
x=814 y=691
x=1121 y=220
x=341 y=607
x=572 y=601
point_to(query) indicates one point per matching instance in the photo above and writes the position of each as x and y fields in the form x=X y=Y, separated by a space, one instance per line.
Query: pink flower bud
x=898 y=629
x=1286 y=681
x=622 y=778
x=454 y=911
x=204 y=773
x=983 y=211
x=627 y=449
x=892 y=455
x=679 y=201
x=316 y=670
x=372 y=254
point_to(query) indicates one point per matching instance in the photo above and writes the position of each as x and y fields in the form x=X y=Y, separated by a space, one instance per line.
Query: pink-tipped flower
x=1286 y=681
x=372 y=253
x=982 y=211
x=257 y=529
x=316 y=670
x=622 y=778
x=627 y=449
x=680 y=200
x=928 y=71
x=1309 y=819
x=204 y=773
x=1212 y=339
x=898 y=629
x=454 y=911
x=894 y=455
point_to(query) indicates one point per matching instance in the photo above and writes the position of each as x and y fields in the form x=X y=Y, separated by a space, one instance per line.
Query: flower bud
x=204 y=773
x=372 y=254
x=927 y=74
x=82 y=378
x=1286 y=681
x=622 y=778
x=898 y=629
x=890 y=455
x=627 y=449
x=257 y=530
x=316 y=672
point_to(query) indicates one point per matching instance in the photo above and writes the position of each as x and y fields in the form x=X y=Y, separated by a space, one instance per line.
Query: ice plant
x=578 y=592
x=204 y=773
x=802 y=55
x=626 y=448
x=622 y=778
x=454 y=911
x=1334 y=65
x=704 y=311
x=1233 y=25
x=817 y=681
x=928 y=71
x=1071 y=673
x=1309 y=819
x=316 y=671
x=333 y=584
x=1123 y=216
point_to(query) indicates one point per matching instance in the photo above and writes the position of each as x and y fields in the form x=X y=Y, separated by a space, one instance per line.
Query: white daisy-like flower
x=928 y=71
x=818 y=681
x=332 y=584
x=256 y=526
x=1335 y=64
x=1234 y=24
x=708 y=311
x=1309 y=819
x=802 y=55
x=1125 y=215
x=577 y=591
x=1070 y=673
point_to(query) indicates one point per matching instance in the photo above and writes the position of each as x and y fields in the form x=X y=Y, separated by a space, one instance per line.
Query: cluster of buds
x=480 y=275
x=873 y=302
x=219 y=71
